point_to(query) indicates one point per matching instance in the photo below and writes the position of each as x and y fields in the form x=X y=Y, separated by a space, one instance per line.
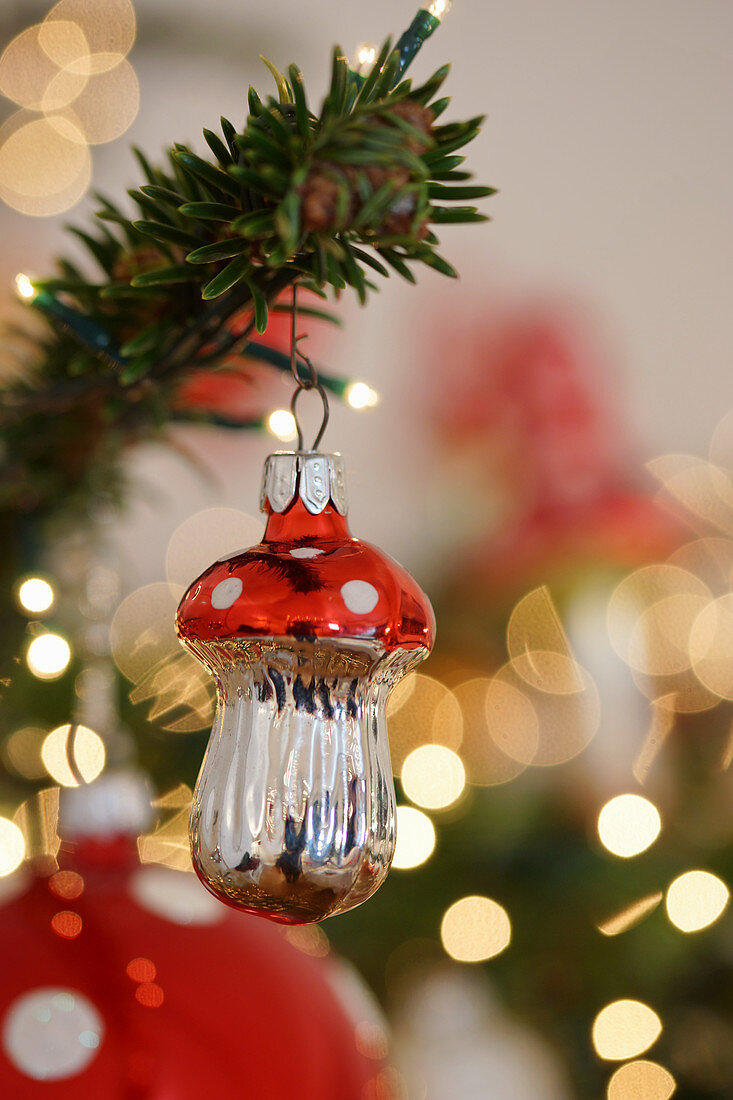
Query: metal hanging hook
x=309 y=382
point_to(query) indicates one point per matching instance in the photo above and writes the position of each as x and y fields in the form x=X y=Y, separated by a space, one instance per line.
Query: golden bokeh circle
x=695 y=900
x=27 y=69
x=73 y=755
x=12 y=847
x=206 y=537
x=106 y=107
x=628 y=824
x=475 y=928
x=640 y=591
x=45 y=166
x=415 y=838
x=421 y=711
x=711 y=646
x=641 y=1080
x=433 y=776
x=624 y=1029
x=109 y=27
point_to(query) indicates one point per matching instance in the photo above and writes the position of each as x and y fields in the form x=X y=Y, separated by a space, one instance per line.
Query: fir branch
x=322 y=200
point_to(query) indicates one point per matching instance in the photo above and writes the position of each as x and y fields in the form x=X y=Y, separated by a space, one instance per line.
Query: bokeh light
x=168 y=843
x=433 y=776
x=542 y=728
x=538 y=646
x=24 y=287
x=35 y=594
x=42 y=55
x=281 y=424
x=106 y=108
x=422 y=711
x=371 y=1040
x=415 y=838
x=695 y=900
x=208 y=536
x=38 y=818
x=70 y=77
x=711 y=646
x=108 y=25
x=146 y=650
x=702 y=488
x=474 y=929
x=141 y=970
x=364 y=58
x=628 y=824
x=641 y=1081
x=66 y=884
x=48 y=656
x=22 y=752
x=439 y=8
x=73 y=755
x=485 y=724
x=635 y=596
x=624 y=1029
x=310 y=939
x=66 y=924
x=12 y=847
x=149 y=994
x=361 y=396
x=630 y=915
x=45 y=166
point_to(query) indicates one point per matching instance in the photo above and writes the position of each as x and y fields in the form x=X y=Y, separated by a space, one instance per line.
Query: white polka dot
x=226 y=593
x=52 y=1033
x=305 y=552
x=175 y=896
x=359 y=596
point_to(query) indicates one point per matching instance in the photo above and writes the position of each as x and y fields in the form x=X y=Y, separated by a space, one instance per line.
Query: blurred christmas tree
x=594 y=908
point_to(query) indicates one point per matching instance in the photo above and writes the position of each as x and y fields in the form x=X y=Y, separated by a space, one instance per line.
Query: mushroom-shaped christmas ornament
x=305 y=635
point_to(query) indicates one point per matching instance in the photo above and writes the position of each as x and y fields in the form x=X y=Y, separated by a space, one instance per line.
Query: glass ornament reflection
x=305 y=635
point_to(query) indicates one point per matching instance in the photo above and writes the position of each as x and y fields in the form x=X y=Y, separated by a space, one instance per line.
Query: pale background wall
x=609 y=136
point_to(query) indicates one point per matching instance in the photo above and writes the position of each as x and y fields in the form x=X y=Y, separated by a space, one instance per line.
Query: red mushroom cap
x=308 y=578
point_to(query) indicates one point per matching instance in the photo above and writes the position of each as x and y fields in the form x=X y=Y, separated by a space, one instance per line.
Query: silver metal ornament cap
x=318 y=479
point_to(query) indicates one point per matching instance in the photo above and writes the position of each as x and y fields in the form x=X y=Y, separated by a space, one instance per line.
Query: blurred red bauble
x=131 y=982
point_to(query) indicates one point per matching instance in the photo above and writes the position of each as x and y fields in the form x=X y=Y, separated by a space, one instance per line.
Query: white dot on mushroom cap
x=51 y=1033
x=359 y=596
x=305 y=552
x=175 y=896
x=226 y=593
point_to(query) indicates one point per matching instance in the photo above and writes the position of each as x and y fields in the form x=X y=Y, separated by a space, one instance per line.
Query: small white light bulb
x=35 y=595
x=361 y=396
x=281 y=423
x=24 y=287
x=364 y=58
x=439 y=8
x=48 y=656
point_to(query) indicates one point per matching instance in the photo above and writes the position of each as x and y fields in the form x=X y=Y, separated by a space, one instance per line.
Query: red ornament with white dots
x=305 y=635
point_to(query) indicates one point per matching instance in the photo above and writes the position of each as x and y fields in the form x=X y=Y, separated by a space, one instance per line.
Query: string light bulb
x=281 y=424
x=361 y=396
x=48 y=656
x=24 y=287
x=35 y=595
x=439 y=8
x=364 y=58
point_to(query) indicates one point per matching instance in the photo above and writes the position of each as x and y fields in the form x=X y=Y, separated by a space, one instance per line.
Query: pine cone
x=323 y=208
